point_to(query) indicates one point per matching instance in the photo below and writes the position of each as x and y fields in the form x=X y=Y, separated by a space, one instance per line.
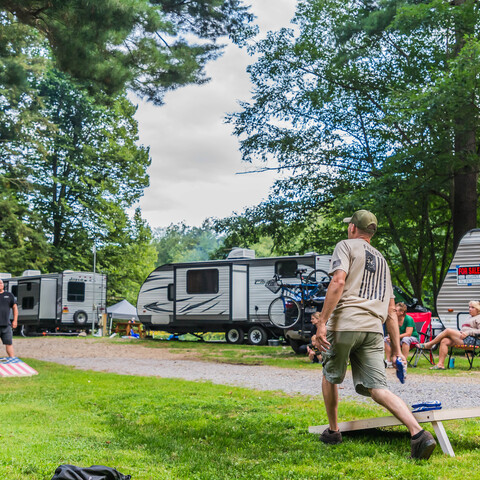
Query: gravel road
x=128 y=359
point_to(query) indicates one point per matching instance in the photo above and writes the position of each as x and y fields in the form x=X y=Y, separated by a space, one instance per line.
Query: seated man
x=408 y=332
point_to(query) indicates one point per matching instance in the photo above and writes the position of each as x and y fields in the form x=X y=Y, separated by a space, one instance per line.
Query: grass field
x=154 y=428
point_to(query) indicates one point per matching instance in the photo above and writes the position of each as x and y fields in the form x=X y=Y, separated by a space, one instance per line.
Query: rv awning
x=123 y=310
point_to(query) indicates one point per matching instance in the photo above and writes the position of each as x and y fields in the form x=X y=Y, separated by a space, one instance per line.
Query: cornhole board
x=435 y=417
x=14 y=367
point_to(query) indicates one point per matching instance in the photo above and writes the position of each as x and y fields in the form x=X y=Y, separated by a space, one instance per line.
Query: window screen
x=286 y=268
x=202 y=281
x=76 y=292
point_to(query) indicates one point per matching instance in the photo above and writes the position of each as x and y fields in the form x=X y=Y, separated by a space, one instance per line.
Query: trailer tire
x=24 y=330
x=257 y=336
x=80 y=317
x=234 y=335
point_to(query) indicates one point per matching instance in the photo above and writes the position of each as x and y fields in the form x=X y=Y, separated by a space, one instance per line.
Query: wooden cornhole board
x=14 y=367
x=435 y=417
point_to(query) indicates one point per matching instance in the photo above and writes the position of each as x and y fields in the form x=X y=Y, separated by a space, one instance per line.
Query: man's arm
x=393 y=331
x=334 y=293
x=15 y=315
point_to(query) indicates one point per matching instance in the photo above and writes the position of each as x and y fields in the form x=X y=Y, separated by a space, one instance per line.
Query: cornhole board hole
x=14 y=367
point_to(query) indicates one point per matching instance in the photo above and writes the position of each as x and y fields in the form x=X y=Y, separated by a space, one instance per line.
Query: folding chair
x=423 y=324
x=471 y=351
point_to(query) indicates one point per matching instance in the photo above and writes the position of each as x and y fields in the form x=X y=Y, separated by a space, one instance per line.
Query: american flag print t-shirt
x=363 y=305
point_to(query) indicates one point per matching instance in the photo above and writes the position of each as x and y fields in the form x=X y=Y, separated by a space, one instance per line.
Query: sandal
x=421 y=346
x=436 y=367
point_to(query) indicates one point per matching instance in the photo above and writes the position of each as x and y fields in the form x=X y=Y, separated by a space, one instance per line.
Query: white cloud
x=195 y=157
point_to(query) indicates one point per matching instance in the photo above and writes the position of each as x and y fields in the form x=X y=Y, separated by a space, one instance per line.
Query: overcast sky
x=195 y=157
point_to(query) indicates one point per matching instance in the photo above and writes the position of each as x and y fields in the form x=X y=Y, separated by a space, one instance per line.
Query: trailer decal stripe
x=211 y=306
x=191 y=307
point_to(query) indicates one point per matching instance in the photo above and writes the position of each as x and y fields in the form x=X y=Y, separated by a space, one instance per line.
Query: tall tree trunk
x=465 y=175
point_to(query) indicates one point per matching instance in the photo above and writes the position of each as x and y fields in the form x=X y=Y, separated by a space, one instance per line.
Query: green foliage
x=148 y=46
x=370 y=105
x=22 y=242
x=128 y=256
x=181 y=243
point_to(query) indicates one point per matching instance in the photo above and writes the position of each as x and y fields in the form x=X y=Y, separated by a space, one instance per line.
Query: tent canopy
x=123 y=310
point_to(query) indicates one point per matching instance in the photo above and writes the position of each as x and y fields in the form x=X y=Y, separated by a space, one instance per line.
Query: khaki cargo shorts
x=364 y=350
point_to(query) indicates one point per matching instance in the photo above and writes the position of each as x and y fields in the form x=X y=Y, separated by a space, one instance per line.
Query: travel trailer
x=66 y=301
x=220 y=295
x=461 y=283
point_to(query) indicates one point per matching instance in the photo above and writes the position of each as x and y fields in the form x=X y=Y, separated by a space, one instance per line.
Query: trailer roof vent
x=31 y=273
x=237 y=253
x=311 y=253
x=5 y=275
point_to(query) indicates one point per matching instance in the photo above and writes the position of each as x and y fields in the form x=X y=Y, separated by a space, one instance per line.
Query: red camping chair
x=423 y=324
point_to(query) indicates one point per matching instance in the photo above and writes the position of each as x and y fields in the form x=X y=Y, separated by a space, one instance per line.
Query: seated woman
x=408 y=332
x=451 y=336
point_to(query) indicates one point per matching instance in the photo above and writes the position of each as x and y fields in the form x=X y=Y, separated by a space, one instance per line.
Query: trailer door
x=48 y=299
x=239 y=292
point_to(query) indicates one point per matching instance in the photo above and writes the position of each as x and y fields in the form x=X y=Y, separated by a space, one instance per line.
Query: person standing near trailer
x=359 y=300
x=7 y=303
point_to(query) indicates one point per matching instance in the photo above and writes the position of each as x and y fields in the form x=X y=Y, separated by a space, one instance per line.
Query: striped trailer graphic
x=14 y=367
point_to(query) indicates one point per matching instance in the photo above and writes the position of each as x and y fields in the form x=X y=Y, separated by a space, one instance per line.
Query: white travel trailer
x=461 y=283
x=67 y=300
x=220 y=295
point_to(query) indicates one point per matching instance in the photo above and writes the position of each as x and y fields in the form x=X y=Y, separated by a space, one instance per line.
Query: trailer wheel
x=24 y=330
x=80 y=317
x=234 y=335
x=257 y=336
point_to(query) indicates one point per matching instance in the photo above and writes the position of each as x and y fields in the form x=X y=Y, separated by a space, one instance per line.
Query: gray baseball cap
x=364 y=220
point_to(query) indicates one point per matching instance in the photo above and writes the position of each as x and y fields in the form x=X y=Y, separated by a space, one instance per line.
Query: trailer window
x=286 y=268
x=202 y=281
x=76 y=292
x=28 y=303
x=171 y=292
x=15 y=290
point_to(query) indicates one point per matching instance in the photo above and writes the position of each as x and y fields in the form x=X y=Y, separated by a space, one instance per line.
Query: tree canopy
x=147 y=46
x=374 y=104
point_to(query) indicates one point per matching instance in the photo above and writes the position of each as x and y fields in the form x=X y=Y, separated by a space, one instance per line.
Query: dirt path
x=87 y=347
x=130 y=359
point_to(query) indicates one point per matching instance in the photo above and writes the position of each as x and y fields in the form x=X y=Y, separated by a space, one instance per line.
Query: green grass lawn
x=154 y=428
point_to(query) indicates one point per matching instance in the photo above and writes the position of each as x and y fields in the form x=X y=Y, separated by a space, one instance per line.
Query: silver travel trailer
x=461 y=283
x=67 y=300
x=220 y=295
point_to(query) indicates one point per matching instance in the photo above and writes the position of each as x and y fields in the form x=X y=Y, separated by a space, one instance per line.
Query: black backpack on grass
x=95 y=472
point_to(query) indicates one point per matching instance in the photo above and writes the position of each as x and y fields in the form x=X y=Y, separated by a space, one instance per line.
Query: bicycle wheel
x=284 y=312
x=318 y=276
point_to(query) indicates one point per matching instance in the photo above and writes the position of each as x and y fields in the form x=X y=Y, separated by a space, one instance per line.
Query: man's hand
x=463 y=335
x=394 y=359
x=14 y=323
x=321 y=338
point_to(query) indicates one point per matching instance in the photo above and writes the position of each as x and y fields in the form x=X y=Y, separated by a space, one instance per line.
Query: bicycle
x=287 y=309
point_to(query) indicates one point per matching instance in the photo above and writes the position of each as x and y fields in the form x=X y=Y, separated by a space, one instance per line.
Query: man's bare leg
x=10 y=352
x=397 y=407
x=330 y=397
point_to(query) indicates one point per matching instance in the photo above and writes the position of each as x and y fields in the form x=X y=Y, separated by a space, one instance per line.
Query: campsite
x=239 y=239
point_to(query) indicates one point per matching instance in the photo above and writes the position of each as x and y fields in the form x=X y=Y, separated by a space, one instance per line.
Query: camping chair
x=471 y=351
x=423 y=324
